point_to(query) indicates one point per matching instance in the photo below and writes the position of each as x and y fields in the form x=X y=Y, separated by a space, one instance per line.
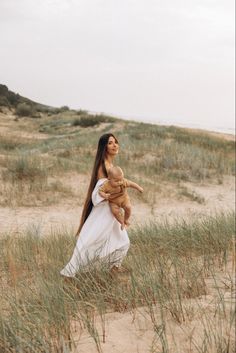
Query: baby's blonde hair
x=115 y=171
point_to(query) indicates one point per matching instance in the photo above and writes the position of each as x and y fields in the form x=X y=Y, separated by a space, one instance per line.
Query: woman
x=100 y=235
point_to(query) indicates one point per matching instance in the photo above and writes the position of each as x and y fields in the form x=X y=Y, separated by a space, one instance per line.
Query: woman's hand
x=104 y=195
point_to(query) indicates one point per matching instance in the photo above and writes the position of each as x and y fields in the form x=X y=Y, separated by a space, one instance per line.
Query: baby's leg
x=127 y=209
x=116 y=211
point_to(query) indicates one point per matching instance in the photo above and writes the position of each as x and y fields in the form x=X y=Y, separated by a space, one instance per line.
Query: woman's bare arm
x=104 y=194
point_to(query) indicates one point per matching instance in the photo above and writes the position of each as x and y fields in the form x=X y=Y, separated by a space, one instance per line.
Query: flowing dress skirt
x=101 y=237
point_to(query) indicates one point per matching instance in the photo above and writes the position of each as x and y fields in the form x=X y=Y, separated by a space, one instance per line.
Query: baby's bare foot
x=127 y=223
x=122 y=226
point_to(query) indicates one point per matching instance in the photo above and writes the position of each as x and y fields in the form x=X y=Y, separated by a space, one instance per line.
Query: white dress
x=101 y=237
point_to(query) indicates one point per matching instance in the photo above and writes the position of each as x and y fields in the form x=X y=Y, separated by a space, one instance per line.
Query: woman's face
x=112 y=146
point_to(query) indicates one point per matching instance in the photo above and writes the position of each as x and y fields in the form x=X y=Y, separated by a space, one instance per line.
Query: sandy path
x=40 y=220
x=133 y=332
x=66 y=215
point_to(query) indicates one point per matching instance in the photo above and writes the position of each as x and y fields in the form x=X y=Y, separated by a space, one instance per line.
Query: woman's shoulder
x=100 y=174
x=100 y=182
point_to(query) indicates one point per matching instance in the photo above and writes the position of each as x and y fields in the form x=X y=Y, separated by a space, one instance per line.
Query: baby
x=115 y=191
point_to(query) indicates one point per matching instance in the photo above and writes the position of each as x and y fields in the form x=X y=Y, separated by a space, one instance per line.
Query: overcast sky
x=150 y=59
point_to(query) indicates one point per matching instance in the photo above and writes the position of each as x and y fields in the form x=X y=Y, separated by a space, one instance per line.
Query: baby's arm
x=131 y=184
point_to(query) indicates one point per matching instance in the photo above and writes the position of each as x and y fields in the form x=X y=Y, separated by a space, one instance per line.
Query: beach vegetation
x=170 y=267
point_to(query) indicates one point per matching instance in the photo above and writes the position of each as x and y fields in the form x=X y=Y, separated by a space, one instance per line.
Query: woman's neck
x=109 y=160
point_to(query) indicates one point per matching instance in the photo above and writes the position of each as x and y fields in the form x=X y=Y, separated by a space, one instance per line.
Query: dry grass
x=152 y=154
x=169 y=265
x=172 y=265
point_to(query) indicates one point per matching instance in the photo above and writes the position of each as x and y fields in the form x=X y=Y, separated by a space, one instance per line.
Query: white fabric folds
x=101 y=237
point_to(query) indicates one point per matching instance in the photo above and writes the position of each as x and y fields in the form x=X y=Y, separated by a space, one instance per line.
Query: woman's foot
x=119 y=269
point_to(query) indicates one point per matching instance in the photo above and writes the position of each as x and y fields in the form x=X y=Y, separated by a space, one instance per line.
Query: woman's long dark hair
x=99 y=161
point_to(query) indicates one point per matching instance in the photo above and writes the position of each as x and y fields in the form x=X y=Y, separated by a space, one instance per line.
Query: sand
x=133 y=332
x=130 y=332
x=66 y=214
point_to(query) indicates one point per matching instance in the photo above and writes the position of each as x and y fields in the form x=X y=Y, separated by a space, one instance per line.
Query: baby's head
x=115 y=176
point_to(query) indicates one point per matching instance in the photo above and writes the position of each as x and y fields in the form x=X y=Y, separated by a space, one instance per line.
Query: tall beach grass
x=151 y=154
x=169 y=265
